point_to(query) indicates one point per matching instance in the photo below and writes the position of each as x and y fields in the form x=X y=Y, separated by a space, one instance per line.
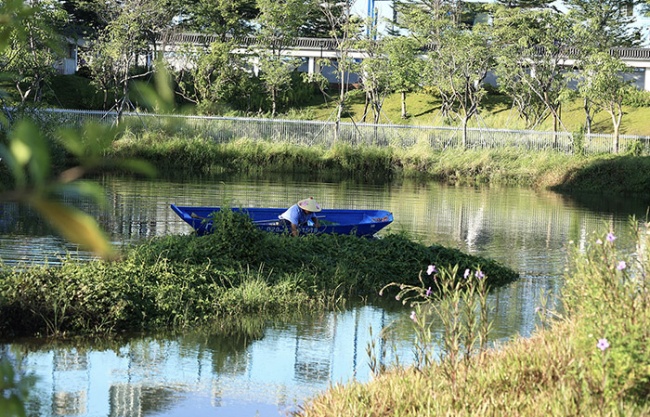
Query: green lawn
x=423 y=109
x=497 y=112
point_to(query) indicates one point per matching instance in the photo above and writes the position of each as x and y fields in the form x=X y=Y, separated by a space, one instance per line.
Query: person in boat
x=299 y=214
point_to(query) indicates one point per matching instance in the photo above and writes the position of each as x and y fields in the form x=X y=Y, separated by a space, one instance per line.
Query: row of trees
x=446 y=52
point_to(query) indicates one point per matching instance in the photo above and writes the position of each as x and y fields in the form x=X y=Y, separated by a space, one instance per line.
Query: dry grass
x=544 y=375
x=592 y=362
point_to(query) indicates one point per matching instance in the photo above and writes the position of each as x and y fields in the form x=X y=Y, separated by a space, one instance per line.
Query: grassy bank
x=496 y=110
x=177 y=154
x=544 y=169
x=180 y=281
x=593 y=360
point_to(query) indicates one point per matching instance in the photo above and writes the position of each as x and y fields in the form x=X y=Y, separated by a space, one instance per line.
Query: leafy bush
x=74 y=92
x=637 y=98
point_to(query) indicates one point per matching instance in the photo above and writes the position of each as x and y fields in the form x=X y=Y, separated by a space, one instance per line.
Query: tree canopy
x=532 y=37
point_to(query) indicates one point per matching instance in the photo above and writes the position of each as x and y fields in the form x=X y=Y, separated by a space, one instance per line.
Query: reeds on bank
x=192 y=156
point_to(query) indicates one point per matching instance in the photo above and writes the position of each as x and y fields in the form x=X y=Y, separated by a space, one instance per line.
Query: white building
x=383 y=12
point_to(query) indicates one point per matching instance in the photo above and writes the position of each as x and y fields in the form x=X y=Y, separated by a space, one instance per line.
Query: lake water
x=273 y=367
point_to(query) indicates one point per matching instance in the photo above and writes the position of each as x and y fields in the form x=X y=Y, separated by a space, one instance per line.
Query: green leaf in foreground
x=75 y=225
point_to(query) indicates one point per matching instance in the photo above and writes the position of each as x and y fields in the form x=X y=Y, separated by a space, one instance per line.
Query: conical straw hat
x=309 y=204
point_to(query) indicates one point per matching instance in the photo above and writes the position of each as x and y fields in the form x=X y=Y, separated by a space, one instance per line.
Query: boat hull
x=332 y=221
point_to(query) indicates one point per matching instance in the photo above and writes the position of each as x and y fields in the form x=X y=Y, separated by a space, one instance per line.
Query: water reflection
x=155 y=375
x=272 y=367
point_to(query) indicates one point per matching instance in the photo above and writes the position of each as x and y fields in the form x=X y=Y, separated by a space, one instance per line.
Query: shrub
x=637 y=98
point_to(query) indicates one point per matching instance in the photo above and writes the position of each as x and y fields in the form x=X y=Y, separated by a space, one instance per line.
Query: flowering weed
x=459 y=304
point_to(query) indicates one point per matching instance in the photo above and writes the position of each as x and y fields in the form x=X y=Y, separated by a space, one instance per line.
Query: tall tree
x=599 y=26
x=604 y=23
x=217 y=17
x=345 y=29
x=531 y=46
x=316 y=24
x=279 y=23
x=602 y=82
x=405 y=66
x=428 y=21
x=84 y=19
x=391 y=65
x=458 y=67
x=375 y=75
x=425 y=19
x=33 y=49
x=214 y=79
x=131 y=27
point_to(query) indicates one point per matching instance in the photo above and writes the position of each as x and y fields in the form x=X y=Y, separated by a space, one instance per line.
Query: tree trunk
x=464 y=142
x=587 y=116
x=273 y=105
x=337 y=124
x=616 y=124
x=365 y=108
x=404 y=114
x=376 y=106
x=339 y=111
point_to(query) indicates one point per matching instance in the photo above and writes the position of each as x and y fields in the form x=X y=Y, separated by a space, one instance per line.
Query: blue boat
x=332 y=221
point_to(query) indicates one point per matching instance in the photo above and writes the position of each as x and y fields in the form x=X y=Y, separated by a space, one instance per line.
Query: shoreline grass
x=591 y=361
x=617 y=174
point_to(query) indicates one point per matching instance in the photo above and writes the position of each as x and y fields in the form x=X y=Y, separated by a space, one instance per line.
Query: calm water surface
x=273 y=367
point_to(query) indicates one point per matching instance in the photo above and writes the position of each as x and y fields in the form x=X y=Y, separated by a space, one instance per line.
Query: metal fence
x=314 y=133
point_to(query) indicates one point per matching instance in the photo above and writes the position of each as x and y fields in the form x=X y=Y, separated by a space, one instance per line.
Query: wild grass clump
x=488 y=166
x=183 y=281
x=374 y=161
x=624 y=174
x=592 y=361
x=204 y=155
x=609 y=293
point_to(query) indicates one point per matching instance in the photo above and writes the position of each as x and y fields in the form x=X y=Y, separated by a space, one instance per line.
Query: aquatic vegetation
x=188 y=281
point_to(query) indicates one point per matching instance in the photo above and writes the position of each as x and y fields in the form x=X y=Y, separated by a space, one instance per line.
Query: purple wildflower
x=428 y=293
x=611 y=237
x=431 y=269
x=599 y=242
x=414 y=317
x=466 y=274
x=603 y=344
x=621 y=265
x=480 y=274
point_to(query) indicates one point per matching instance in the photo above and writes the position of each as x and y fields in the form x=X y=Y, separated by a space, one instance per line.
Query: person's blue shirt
x=296 y=215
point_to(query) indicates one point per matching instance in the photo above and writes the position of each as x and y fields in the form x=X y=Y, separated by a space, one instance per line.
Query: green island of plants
x=185 y=280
